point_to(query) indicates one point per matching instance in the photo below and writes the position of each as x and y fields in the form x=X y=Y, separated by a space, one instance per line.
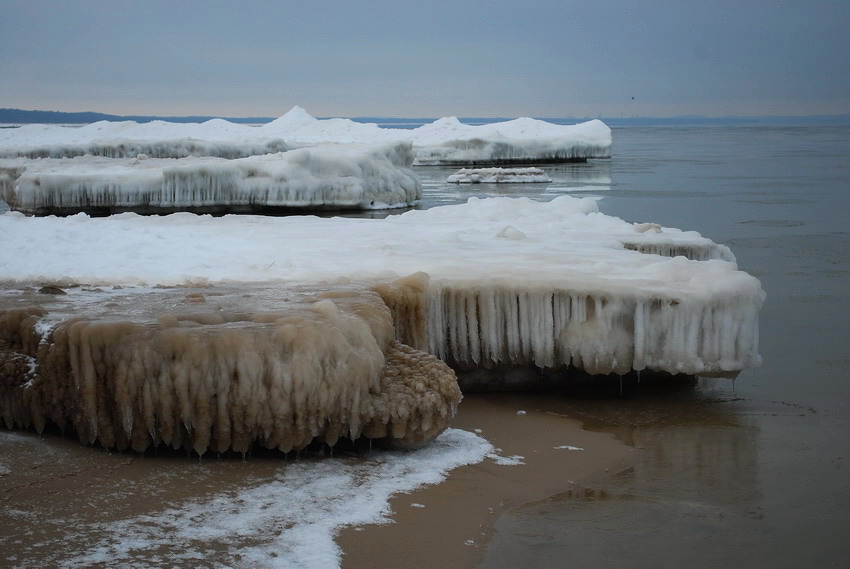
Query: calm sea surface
x=750 y=473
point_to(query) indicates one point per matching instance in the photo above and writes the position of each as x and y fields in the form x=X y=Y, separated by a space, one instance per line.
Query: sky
x=391 y=58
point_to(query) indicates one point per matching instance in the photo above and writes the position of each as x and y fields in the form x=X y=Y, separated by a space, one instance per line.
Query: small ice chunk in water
x=498 y=176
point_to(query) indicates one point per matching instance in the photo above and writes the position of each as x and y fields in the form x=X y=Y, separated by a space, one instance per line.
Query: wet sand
x=56 y=491
x=450 y=525
x=53 y=486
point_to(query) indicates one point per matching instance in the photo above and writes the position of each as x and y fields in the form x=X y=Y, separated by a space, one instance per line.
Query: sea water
x=750 y=473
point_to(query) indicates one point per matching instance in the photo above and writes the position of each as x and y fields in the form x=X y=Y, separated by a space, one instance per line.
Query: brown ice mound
x=220 y=370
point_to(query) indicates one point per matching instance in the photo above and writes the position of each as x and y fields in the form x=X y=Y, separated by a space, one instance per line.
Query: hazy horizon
x=543 y=58
x=417 y=116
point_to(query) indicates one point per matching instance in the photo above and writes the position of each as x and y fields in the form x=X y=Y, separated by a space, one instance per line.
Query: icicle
x=213 y=386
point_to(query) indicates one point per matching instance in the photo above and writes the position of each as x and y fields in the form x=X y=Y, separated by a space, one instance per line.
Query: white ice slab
x=445 y=141
x=335 y=177
x=498 y=176
x=508 y=280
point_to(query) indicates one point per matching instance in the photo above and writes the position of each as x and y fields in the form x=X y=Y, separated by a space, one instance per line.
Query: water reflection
x=752 y=477
x=697 y=471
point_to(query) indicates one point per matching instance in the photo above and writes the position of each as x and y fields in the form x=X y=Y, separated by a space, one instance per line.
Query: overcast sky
x=427 y=58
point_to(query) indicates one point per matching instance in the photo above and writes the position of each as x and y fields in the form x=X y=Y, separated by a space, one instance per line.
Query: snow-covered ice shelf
x=445 y=141
x=175 y=148
x=126 y=139
x=498 y=176
x=486 y=283
x=330 y=177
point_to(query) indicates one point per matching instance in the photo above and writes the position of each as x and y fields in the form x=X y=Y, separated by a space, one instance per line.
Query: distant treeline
x=19 y=116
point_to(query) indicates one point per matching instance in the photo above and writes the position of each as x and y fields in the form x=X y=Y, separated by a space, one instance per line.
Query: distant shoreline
x=21 y=117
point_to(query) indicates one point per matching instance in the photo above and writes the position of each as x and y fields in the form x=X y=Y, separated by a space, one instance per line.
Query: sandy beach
x=55 y=486
x=449 y=525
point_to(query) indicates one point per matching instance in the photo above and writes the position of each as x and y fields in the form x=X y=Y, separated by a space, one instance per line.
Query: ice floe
x=498 y=176
x=445 y=141
x=495 y=281
x=335 y=177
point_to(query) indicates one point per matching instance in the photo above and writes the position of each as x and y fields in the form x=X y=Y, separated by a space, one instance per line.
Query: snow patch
x=514 y=460
x=289 y=521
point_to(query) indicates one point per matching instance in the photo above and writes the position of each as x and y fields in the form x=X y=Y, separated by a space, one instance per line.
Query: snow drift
x=445 y=141
x=338 y=177
x=220 y=371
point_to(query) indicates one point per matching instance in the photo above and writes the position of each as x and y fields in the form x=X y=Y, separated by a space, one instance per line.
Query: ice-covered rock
x=501 y=281
x=329 y=177
x=498 y=176
x=219 y=369
x=445 y=141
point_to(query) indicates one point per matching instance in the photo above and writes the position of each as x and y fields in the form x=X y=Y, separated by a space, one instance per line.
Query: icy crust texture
x=594 y=332
x=126 y=139
x=448 y=141
x=498 y=176
x=445 y=141
x=179 y=148
x=519 y=141
x=340 y=177
x=315 y=368
x=495 y=281
x=489 y=324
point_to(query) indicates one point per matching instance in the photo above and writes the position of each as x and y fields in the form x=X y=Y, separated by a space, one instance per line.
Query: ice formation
x=126 y=139
x=498 y=176
x=445 y=141
x=218 y=370
x=331 y=177
x=491 y=282
x=178 y=148
x=448 y=141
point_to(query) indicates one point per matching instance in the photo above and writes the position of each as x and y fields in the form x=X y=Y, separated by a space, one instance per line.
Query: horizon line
x=112 y=116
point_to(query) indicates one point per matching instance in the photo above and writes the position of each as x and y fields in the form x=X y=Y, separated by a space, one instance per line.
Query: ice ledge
x=217 y=370
x=445 y=141
x=472 y=325
x=335 y=178
x=501 y=281
x=125 y=148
